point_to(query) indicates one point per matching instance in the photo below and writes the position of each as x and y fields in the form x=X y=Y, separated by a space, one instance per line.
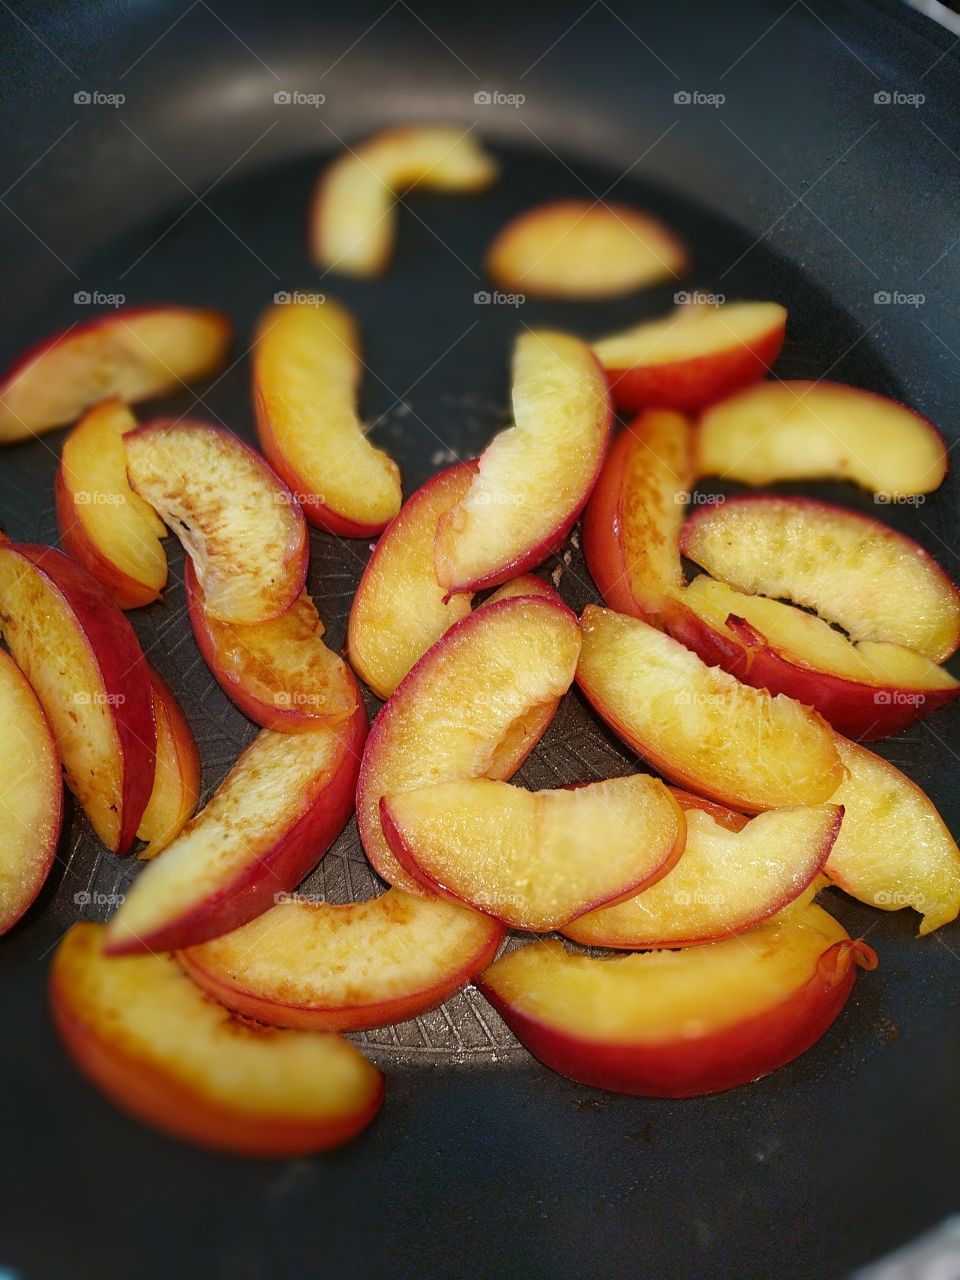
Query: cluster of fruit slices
x=736 y=687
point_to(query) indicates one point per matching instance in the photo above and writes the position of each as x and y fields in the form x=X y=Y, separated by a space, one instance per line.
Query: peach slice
x=320 y=967
x=399 y=610
x=865 y=690
x=536 y=860
x=133 y=355
x=238 y=523
x=306 y=371
x=874 y=582
x=584 y=249
x=698 y=725
x=532 y=480
x=88 y=671
x=352 y=223
x=894 y=849
x=676 y=1024
x=105 y=525
x=724 y=883
x=279 y=673
x=31 y=795
x=475 y=705
x=633 y=522
x=150 y=1039
x=777 y=431
x=266 y=826
x=692 y=356
x=176 y=779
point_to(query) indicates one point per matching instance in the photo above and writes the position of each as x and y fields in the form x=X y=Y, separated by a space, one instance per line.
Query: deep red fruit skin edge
x=296 y=850
x=318 y=513
x=860 y=711
x=410 y=680
x=126 y=675
x=356 y=1017
x=265 y=714
x=723 y=1060
x=694 y=383
x=21 y=363
x=164 y=1104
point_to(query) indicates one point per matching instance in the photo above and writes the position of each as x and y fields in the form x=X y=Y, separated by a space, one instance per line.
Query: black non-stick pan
x=826 y=178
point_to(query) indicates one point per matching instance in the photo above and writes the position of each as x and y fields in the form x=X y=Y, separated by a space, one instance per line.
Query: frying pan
x=799 y=186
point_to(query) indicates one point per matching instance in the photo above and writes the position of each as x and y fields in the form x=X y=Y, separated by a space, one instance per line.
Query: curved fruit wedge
x=532 y=481
x=320 y=967
x=698 y=725
x=238 y=523
x=105 y=525
x=724 y=883
x=266 y=826
x=279 y=673
x=88 y=671
x=306 y=371
x=584 y=249
x=31 y=794
x=874 y=582
x=352 y=223
x=150 y=1039
x=632 y=524
x=865 y=690
x=132 y=355
x=475 y=705
x=777 y=431
x=894 y=849
x=176 y=778
x=675 y=1024
x=399 y=610
x=692 y=356
x=536 y=859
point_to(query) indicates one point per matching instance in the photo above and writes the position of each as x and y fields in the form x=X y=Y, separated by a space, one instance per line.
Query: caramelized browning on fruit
x=699 y=725
x=344 y=968
x=237 y=522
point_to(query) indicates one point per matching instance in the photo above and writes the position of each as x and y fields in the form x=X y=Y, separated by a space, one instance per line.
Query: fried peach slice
x=677 y=1024
x=352 y=225
x=113 y=533
x=536 y=859
x=321 y=967
x=176 y=778
x=237 y=521
x=159 y=1049
x=584 y=249
x=698 y=725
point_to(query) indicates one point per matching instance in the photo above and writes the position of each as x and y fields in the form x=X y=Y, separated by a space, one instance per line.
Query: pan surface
x=798 y=186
